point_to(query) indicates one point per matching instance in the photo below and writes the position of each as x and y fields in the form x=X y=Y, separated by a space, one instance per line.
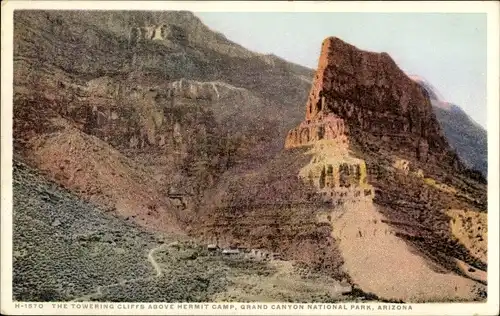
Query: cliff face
x=364 y=98
x=377 y=101
x=173 y=102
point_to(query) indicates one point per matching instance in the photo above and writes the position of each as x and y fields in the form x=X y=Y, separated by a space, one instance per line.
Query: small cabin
x=230 y=251
x=212 y=247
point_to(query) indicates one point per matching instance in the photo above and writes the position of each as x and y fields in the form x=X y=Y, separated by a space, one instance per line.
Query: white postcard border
x=490 y=8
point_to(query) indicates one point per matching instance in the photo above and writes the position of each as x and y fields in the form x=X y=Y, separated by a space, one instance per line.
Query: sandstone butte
x=363 y=95
x=363 y=98
x=374 y=98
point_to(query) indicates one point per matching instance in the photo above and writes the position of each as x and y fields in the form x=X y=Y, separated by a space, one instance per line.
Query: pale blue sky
x=447 y=49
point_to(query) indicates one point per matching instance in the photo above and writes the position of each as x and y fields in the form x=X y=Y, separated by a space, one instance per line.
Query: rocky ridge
x=468 y=138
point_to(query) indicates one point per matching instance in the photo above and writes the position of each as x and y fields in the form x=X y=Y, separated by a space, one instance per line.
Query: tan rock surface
x=382 y=263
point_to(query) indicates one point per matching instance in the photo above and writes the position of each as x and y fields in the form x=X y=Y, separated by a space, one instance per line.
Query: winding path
x=151 y=259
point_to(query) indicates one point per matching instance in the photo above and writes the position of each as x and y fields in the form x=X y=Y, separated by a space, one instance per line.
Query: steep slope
x=174 y=102
x=468 y=138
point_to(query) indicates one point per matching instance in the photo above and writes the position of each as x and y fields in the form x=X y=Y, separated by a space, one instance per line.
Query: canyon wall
x=377 y=101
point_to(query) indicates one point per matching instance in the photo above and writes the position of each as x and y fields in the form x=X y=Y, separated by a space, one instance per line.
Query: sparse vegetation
x=113 y=130
x=66 y=249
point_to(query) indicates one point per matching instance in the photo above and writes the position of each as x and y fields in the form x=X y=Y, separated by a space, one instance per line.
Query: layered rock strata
x=362 y=106
x=377 y=101
x=324 y=126
x=337 y=177
x=333 y=171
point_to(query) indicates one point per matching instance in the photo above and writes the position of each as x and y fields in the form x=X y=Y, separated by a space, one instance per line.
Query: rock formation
x=363 y=110
x=377 y=101
x=364 y=98
x=335 y=173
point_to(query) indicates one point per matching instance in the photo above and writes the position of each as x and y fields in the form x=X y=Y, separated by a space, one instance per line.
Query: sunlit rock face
x=336 y=174
x=377 y=101
x=333 y=171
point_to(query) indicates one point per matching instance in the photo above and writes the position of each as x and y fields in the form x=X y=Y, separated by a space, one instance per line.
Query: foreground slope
x=65 y=249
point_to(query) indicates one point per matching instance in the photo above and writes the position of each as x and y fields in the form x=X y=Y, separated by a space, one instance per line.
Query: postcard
x=250 y=158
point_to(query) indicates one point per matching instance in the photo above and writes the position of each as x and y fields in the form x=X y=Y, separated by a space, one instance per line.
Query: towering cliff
x=378 y=102
x=371 y=132
x=154 y=104
x=364 y=98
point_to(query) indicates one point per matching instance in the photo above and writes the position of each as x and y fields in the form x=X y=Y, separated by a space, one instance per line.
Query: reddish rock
x=323 y=126
x=377 y=100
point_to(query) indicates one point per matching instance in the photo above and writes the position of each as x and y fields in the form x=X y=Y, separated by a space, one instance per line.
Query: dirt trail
x=381 y=263
x=151 y=259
